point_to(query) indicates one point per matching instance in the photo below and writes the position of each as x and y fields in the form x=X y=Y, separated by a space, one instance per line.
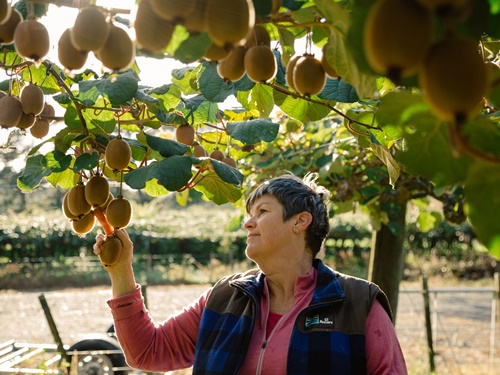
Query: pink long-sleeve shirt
x=171 y=344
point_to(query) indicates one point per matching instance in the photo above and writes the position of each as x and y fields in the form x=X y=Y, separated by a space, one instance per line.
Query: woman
x=291 y=315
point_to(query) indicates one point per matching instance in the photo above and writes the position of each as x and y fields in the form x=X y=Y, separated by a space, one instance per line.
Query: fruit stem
x=99 y=214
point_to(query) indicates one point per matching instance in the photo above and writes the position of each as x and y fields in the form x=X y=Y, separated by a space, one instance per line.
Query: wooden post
x=53 y=328
x=497 y=290
x=428 y=324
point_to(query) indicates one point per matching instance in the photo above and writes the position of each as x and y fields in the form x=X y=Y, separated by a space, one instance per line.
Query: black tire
x=98 y=364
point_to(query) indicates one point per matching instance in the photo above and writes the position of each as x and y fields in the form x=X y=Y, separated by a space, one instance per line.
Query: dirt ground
x=464 y=341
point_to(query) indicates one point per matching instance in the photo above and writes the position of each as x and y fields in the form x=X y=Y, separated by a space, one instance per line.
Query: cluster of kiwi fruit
x=29 y=111
x=307 y=74
x=30 y=37
x=399 y=42
x=185 y=134
x=93 y=31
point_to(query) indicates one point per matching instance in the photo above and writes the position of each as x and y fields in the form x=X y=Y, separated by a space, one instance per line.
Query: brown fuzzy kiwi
x=70 y=57
x=232 y=68
x=11 y=111
x=77 y=204
x=454 y=91
x=229 y=161
x=185 y=134
x=119 y=212
x=32 y=99
x=118 y=154
x=217 y=155
x=118 y=52
x=329 y=70
x=97 y=190
x=7 y=28
x=260 y=63
x=199 y=151
x=389 y=27
x=152 y=32
x=257 y=36
x=111 y=250
x=289 y=71
x=229 y=21
x=31 y=40
x=49 y=111
x=173 y=10
x=5 y=11
x=309 y=77
x=26 y=121
x=216 y=52
x=66 y=212
x=196 y=20
x=90 y=30
x=85 y=224
x=40 y=128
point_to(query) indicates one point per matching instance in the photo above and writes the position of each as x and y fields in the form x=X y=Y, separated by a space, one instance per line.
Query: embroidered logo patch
x=318 y=321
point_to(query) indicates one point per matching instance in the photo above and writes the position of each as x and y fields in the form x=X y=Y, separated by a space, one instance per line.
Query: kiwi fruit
x=32 y=99
x=309 y=77
x=185 y=134
x=260 y=63
x=11 y=111
x=232 y=68
x=40 y=128
x=152 y=32
x=31 y=40
x=257 y=36
x=397 y=37
x=47 y=112
x=65 y=209
x=26 y=121
x=97 y=190
x=173 y=10
x=118 y=154
x=196 y=21
x=454 y=90
x=90 y=30
x=217 y=154
x=77 y=204
x=119 y=212
x=85 y=224
x=8 y=27
x=111 y=250
x=199 y=151
x=229 y=21
x=105 y=205
x=5 y=11
x=216 y=52
x=329 y=70
x=118 y=52
x=229 y=161
x=70 y=57
x=289 y=71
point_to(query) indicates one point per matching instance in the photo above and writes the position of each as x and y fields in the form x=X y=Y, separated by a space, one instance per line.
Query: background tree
x=392 y=119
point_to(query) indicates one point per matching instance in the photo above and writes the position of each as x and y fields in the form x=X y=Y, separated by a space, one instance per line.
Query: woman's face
x=268 y=236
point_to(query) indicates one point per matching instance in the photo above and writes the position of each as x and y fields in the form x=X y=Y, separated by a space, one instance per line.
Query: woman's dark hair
x=299 y=195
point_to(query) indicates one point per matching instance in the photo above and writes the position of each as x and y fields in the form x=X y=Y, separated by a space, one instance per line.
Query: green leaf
x=392 y=165
x=335 y=14
x=217 y=191
x=33 y=173
x=117 y=88
x=65 y=180
x=186 y=79
x=166 y=147
x=227 y=173
x=300 y=109
x=253 y=131
x=259 y=98
x=338 y=90
x=154 y=189
x=57 y=161
x=173 y=173
x=86 y=161
x=483 y=204
x=198 y=110
x=287 y=41
x=262 y=7
x=192 y=48
x=426 y=221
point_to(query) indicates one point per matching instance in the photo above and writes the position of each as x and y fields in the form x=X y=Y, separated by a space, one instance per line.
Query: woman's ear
x=303 y=220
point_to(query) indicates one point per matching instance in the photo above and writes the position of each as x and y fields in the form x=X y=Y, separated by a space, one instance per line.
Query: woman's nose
x=249 y=224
